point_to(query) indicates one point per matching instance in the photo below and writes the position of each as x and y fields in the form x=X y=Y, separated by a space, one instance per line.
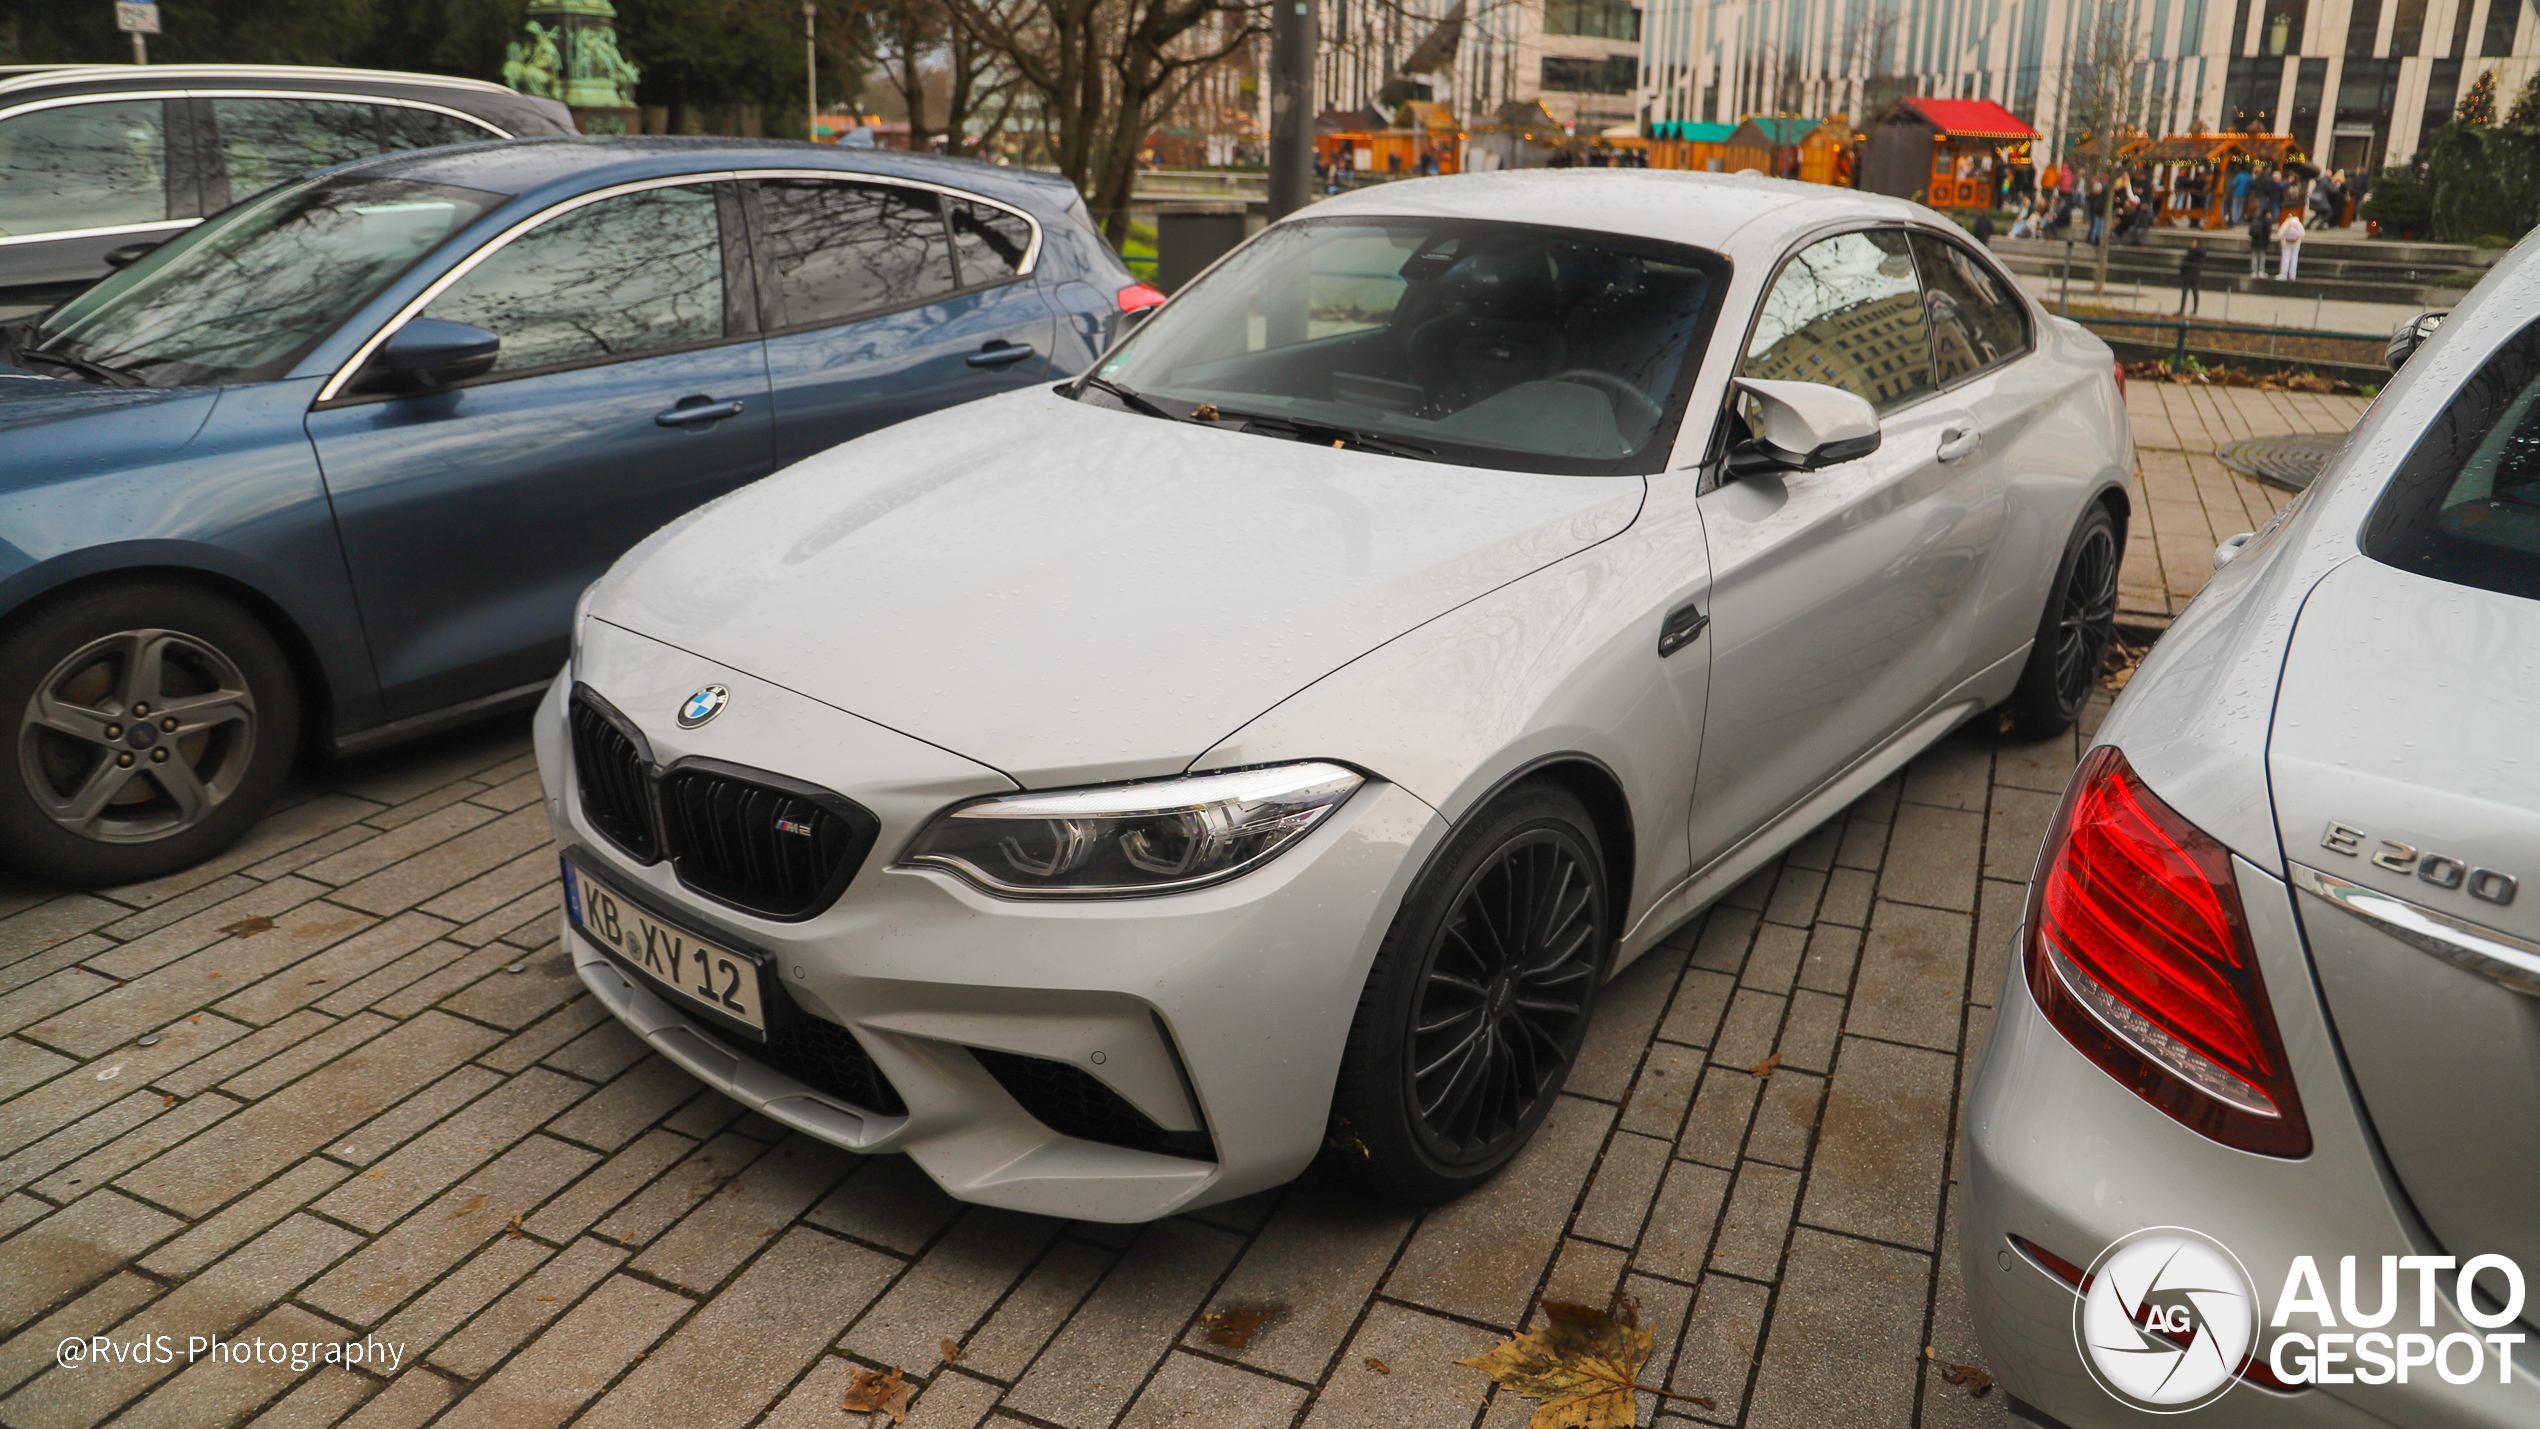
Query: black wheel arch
x=1593 y=783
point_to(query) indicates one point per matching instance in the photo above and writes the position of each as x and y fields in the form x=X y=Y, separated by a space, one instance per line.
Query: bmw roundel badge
x=704 y=705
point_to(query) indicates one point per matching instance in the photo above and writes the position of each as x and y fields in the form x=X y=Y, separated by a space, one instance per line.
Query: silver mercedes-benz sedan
x=2260 y=1113
x=1116 y=795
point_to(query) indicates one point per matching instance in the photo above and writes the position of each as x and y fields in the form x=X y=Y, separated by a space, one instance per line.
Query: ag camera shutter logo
x=2169 y=1316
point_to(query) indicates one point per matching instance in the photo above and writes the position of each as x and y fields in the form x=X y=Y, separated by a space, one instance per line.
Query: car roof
x=544 y=168
x=1715 y=211
x=15 y=79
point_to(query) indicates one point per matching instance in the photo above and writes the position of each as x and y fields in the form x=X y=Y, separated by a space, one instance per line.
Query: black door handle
x=692 y=410
x=1000 y=356
x=1682 y=627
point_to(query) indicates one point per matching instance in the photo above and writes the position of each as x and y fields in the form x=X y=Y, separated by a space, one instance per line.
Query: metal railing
x=2183 y=326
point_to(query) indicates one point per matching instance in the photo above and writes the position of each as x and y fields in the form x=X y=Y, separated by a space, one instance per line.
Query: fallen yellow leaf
x=1581 y=1365
x=1765 y=1067
x=876 y=1392
x=951 y=1351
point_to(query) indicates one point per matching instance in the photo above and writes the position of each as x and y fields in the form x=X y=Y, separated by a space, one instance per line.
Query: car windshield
x=1493 y=344
x=245 y=295
x=2465 y=505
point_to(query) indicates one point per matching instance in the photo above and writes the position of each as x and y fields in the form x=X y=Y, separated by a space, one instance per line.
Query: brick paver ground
x=341 y=1085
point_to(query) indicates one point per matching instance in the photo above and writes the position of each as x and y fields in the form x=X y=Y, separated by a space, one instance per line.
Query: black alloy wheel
x=2073 y=636
x=1478 y=1001
x=1506 y=994
x=154 y=723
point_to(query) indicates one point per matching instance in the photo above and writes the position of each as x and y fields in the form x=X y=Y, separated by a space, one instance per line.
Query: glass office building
x=2356 y=82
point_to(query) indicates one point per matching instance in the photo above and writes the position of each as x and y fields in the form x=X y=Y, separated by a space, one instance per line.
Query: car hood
x=1072 y=593
x=54 y=419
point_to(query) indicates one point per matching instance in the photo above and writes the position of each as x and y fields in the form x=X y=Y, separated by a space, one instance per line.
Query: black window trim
x=771 y=318
x=332 y=394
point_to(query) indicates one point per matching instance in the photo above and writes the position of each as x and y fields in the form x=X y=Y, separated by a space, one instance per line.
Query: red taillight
x=2120 y=380
x=1137 y=296
x=2138 y=953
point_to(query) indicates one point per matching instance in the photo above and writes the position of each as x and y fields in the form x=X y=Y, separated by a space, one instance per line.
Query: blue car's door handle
x=692 y=410
x=1000 y=356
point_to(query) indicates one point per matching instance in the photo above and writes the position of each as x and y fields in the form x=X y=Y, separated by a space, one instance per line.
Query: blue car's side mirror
x=428 y=353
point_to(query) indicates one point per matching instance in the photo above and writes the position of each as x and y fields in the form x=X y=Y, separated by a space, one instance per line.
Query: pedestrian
x=2191 y=274
x=2258 y=231
x=1984 y=227
x=2289 y=236
x=2239 y=192
x=2274 y=195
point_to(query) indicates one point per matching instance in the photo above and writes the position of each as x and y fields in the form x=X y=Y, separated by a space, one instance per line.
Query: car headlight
x=1160 y=836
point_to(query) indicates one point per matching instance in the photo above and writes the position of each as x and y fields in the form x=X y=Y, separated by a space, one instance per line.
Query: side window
x=833 y=251
x=84 y=166
x=1975 y=321
x=426 y=129
x=266 y=141
x=1847 y=312
x=632 y=274
x=2464 y=506
x=988 y=242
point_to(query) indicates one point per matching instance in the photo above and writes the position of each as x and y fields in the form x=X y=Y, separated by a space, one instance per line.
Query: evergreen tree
x=2526 y=111
x=2479 y=105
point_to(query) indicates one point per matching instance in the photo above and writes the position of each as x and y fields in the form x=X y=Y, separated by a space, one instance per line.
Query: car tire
x=1458 y=1049
x=95 y=796
x=2074 y=632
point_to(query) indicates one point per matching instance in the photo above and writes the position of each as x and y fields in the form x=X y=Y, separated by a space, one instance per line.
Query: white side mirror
x=1801 y=426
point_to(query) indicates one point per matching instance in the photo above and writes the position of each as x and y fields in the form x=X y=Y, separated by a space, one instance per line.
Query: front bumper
x=1222 y=1011
x=2059 y=1154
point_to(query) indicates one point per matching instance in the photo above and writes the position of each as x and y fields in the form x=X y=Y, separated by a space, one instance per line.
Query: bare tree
x=2104 y=100
x=1103 y=72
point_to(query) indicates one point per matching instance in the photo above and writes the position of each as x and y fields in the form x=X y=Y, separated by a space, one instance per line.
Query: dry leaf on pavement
x=1581 y=1365
x=1234 y=1326
x=1379 y=1366
x=875 y=1392
x=951 y=1351
x=1765 y=1067
x=1978 y=1383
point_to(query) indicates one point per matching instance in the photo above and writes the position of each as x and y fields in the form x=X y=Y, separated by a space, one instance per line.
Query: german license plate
x=672 y=959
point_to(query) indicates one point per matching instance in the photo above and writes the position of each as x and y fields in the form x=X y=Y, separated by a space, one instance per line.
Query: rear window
x=2465 y=505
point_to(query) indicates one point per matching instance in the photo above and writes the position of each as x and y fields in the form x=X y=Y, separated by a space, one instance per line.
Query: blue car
x=331 y=469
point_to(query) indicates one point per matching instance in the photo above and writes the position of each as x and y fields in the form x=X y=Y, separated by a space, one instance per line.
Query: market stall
x=1948 y=153
x=1809 y=150
x=1684 y=144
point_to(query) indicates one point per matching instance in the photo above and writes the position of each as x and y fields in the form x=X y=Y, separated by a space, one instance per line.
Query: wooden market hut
x=1675 y=144
x=1943 y=152
x=1809 y=150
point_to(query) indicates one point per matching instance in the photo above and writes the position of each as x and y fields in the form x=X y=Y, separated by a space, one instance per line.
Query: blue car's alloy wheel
x=152 y=727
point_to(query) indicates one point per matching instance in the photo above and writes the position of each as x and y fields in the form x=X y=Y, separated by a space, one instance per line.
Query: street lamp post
x=1292 y=45
x=811 y=77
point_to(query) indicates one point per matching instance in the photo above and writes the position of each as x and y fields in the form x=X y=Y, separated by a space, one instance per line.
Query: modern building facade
x=1581 y=58
x=2356 y=82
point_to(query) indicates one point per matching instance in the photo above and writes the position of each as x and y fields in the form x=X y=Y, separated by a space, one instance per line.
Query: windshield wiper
x=1134 y=401
x=111 y=376
x=1324 y=432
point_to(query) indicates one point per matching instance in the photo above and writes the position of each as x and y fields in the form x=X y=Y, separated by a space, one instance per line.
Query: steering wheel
x=1625 y=395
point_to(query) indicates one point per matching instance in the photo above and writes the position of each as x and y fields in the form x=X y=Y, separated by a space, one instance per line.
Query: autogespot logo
x=2169 y=1316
